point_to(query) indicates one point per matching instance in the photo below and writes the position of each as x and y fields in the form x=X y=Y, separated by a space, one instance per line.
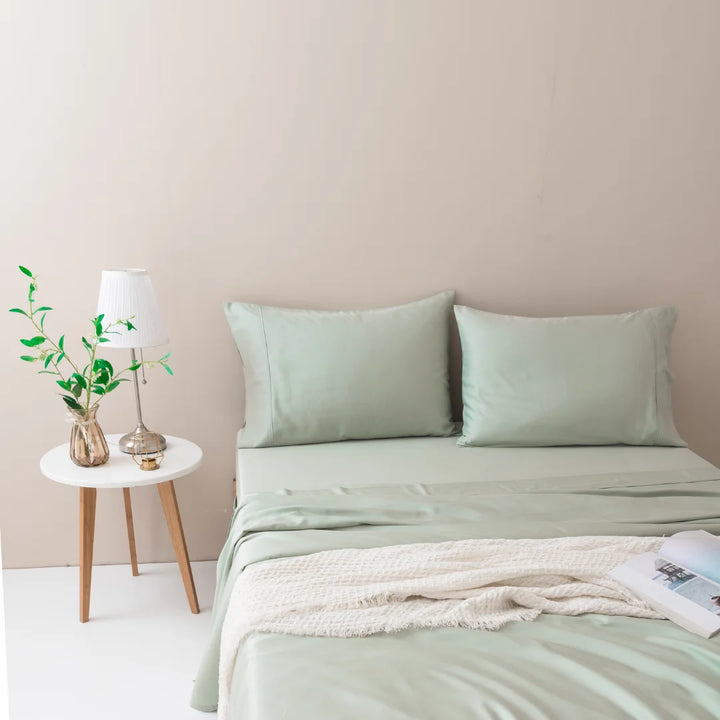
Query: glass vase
x=88 y=447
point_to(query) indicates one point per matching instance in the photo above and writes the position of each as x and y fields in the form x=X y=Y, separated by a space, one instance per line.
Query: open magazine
x=681 y=581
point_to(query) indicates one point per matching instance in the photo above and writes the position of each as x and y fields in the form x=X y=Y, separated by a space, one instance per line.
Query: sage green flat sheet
x=554 y=668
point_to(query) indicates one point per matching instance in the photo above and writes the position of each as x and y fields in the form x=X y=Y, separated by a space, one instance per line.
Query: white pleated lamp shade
x=128 y=295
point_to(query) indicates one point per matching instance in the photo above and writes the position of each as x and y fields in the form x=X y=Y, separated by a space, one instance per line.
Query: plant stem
x=89 y=378
x=149 y=363
x=59 y=371
x=47 y=337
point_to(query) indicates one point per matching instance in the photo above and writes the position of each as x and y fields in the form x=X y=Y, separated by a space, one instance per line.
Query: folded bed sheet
x=431 y=460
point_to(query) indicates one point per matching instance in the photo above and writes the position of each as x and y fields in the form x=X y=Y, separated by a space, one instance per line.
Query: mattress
x=430 y=460
x=304 y=499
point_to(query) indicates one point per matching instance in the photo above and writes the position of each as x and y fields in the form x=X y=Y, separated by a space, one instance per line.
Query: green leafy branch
x=98 y=377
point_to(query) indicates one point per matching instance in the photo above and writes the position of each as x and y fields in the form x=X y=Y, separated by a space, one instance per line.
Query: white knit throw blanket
x=479 y=584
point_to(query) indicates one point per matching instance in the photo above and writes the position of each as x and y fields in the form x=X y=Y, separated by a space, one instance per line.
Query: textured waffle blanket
x=479 y=584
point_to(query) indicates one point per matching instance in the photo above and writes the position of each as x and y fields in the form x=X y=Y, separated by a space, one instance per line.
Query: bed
x=379 y=565
x=304 y=499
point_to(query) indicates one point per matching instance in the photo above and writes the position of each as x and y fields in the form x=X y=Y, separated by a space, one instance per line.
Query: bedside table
x=181 y=458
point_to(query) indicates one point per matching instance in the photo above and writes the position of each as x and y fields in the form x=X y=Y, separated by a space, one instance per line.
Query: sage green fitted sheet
x=554 y=668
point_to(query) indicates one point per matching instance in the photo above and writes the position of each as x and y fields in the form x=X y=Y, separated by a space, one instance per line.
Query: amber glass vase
x=88 y=447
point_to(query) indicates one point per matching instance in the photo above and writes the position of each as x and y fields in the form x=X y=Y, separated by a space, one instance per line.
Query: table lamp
x=128 y=294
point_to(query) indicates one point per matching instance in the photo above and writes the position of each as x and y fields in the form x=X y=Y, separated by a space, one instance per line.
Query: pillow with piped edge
x=314 y=376
x=588 y=380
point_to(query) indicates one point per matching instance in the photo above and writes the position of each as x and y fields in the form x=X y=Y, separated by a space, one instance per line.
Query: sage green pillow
x=595 y=380
x=321 y=376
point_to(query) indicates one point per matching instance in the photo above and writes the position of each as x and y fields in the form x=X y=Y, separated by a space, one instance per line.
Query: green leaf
x=60 y=357
x=43 y=308
x=61 y=342
x=103 y=378
x=47 y=372
x=164 y=357
x=33 y=342
x=80 y=380
x=48 y=359
x=129 y=325
x=28 y=358
x=98 y=328
x=71 y=402
x=64 y=384
x=98 y=389
x=103 y=339
x=104 y=364
x=76 y=390
x=18 y=310
x=87 y=345
x=135 y=366
x=42 y=322
x=25 y=270
x=167 y=367
x=31 y=291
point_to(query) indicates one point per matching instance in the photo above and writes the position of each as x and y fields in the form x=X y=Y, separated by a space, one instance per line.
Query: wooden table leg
x=88 y=497
x=172 y=517
x=130 y=531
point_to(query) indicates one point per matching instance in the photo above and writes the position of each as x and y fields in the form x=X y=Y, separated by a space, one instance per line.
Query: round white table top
x=121 y=471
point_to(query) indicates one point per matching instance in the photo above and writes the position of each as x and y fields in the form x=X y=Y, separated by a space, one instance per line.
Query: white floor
x=134 y=660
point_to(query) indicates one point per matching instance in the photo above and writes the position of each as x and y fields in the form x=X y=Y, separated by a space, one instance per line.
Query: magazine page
x=682 y=596
x=687 y=585
x=697 y=551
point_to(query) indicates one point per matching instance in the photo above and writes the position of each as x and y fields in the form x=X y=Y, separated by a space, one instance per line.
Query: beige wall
x=539 y=157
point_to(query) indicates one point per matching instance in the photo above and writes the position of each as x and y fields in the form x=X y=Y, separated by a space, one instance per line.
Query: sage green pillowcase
x=595 y=380
x=322 y=376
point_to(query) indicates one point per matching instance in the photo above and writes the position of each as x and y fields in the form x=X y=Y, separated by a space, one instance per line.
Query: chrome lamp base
x=142 y=438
